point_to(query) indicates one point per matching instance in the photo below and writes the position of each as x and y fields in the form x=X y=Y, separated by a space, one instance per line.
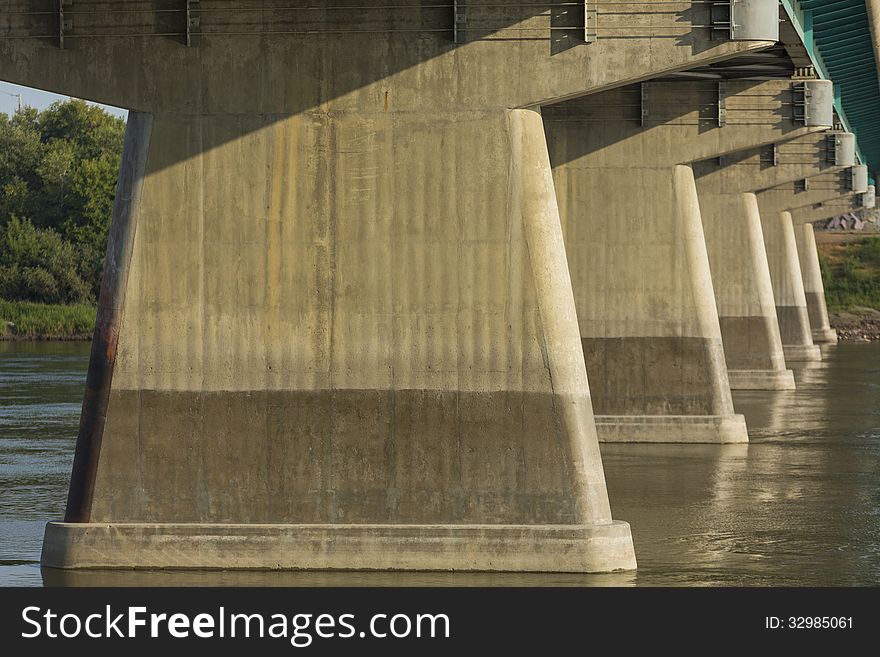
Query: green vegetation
x=851 y=274
x=23 y=319
x=58 y=171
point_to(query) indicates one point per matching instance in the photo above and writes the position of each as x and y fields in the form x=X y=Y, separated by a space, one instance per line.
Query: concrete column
x=397 y=376
x=744 y=293
x=634 y=236
x=814 y=290
x=737 y=254
x=788 y=288
x=645 y=304
x=807 y=200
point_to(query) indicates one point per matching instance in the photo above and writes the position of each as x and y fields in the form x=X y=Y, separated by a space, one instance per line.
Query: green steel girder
x=845 y=43
x=838 y=39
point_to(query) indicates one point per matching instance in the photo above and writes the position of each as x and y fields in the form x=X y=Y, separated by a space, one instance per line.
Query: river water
x=799 y=505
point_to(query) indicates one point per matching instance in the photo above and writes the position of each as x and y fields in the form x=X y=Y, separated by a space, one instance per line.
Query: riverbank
x=857 y=325
x=22 y=320
x=851 y=273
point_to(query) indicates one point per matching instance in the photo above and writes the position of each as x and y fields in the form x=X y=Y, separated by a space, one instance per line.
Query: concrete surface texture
x=842 y=203
x=254 y=546
x=279 y=59
x=636 y=248
x=766 y=166
x=741 y=275
x=814 y=290
x=807 y=192
x=788 y=288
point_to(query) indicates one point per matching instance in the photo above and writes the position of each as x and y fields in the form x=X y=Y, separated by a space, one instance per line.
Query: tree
x=58 y=171
x=21 y=151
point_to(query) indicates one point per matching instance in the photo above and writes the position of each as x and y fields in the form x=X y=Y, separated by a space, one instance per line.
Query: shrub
x=37 y=265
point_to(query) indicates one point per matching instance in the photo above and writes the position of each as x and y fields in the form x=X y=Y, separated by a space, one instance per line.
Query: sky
x=34 y=98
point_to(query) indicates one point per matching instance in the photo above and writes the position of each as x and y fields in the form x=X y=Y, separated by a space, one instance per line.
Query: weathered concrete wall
x=788 y=288
x=636 y=248
x=811 y=192
x=768 y=166
x=814 y=290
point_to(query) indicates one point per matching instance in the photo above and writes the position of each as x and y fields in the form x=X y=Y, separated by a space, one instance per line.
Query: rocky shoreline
x=858 y=326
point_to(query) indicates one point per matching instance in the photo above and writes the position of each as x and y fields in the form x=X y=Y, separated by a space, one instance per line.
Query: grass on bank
x=23 y=319
x=851 y=274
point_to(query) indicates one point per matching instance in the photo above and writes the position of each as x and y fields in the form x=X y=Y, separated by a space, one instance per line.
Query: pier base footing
x=802 y=352
x=761 y=379
x=672 y=429
x=534 y=548
x=824 y=336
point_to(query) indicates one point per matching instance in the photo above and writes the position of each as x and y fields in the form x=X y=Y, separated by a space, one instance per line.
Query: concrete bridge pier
x=778 y=206
x=814 y=290
x=637 y=248
x=788 y=288
x=737 y=253
x=744 y=293
x=399 y=386
x=738 y=256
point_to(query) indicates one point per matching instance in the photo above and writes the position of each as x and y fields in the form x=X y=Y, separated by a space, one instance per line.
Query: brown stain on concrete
x=258 y=456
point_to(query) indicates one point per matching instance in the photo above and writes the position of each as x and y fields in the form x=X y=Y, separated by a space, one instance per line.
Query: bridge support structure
x=337 y=327
x=636 y=243
x=778 y=206
x=814 y=290
x=738 y=256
